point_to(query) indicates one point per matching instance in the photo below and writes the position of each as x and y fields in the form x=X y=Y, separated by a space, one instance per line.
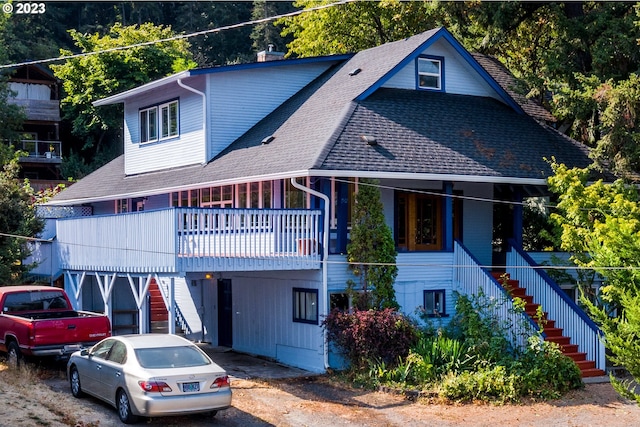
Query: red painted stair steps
x=159 y=316
x=552 y=333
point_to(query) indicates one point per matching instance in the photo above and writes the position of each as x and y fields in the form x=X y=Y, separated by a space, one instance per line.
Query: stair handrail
x=492 y=288
x=594 y=345
x=554 y=286
x=182 y=321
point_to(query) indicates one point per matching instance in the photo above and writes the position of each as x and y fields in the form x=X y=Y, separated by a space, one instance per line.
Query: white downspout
x=325 y=256
x=204 y=117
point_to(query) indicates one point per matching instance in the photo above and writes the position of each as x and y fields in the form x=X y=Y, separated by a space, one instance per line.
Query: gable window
x=305 y=305
x=159 y=122
x=430 y=73
x=434 y=303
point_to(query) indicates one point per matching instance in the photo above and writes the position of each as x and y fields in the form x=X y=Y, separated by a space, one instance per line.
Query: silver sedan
x=150 y=375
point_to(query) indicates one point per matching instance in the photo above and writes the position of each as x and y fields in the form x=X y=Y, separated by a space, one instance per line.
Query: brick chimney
x=270 y=55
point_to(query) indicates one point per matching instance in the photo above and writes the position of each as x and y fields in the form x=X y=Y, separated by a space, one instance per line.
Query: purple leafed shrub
x=370 y=335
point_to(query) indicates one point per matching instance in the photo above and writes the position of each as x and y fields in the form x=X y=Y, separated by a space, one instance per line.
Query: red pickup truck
x=40 y=321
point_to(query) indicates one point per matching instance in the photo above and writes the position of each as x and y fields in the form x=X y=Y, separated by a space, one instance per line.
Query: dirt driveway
x=310 y=401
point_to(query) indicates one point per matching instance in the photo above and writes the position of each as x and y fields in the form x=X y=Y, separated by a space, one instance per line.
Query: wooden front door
x=419 y=222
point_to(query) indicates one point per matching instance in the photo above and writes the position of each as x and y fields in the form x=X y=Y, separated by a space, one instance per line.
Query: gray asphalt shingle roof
x=320 y=127
x=439 y=133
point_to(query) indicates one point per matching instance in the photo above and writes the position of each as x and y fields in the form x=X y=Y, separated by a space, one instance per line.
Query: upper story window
x=159 y=122
x=430 y=75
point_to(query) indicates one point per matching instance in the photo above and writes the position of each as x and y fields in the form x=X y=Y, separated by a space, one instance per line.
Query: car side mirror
x=84 y=352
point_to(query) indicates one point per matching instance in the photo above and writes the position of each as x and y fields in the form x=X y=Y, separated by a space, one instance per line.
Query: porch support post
x=139 y=292
x=75 y=285
x=143 y=312
x=517 y=217
x=342 y=211
x=106 y=287
x=448 y=216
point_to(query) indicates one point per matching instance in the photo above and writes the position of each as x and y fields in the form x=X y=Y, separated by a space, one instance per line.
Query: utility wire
x=345 y=263
x=180 y=36
x=440 y=194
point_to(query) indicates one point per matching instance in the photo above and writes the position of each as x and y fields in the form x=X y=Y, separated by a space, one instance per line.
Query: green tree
x=17 y=218
x=355 y=26
x=89 y=78
x=267 y=33
x=601 y=226
x=371 y=252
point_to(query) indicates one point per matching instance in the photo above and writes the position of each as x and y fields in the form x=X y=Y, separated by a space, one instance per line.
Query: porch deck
x=192 y=239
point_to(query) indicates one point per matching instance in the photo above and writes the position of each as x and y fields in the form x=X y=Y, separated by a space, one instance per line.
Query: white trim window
x=169 y=120
x=429 y=73
x=149 y=124
x=159 y=122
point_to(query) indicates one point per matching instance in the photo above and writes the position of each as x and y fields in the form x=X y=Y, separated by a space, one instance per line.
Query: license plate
x=190 y=387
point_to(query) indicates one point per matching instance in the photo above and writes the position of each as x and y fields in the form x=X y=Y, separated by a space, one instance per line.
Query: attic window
x=430 y=73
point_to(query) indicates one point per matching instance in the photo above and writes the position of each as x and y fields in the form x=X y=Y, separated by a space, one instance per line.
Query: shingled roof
x=318 y=132
x=437 y=133
x=509 y=83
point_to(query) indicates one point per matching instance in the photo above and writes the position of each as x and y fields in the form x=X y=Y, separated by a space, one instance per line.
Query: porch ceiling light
x=371 y=140
x=355 y=71
x=268 y=139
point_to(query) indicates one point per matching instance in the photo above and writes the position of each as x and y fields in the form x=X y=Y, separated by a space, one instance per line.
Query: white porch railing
x=192 y=239
x=568 y=316
x=471 y=279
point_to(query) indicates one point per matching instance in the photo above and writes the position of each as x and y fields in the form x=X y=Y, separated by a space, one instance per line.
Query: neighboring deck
x=191 y=240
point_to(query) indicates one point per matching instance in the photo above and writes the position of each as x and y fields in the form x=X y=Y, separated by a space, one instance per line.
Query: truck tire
x=14 y=355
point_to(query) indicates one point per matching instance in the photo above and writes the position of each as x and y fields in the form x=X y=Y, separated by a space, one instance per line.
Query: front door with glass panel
x=419 y=222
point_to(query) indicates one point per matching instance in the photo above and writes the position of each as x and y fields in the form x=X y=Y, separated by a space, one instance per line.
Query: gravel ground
x=32 y=399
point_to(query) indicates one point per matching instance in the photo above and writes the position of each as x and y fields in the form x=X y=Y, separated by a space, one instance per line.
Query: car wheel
x=14 y=355
x=124 y=408
x=74 y=382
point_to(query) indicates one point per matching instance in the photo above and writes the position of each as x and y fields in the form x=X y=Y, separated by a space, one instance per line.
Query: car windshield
x=171 y=357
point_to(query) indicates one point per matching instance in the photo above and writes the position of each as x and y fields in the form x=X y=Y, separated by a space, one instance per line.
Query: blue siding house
x=228 y=215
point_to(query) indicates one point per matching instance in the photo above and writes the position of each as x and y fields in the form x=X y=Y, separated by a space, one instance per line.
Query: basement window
x=434 y=303
x=305 y=305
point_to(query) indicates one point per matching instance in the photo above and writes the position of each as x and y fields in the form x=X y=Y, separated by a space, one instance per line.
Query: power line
x=440 y=194
x=345 y=263
x=180 y=36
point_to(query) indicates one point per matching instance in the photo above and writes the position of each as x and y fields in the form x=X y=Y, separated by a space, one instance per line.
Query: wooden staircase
x=159 y=316
x=552 y=333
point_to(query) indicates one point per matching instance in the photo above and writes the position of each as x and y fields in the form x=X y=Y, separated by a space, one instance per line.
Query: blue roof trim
x=278 y=63
x=443 y=33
